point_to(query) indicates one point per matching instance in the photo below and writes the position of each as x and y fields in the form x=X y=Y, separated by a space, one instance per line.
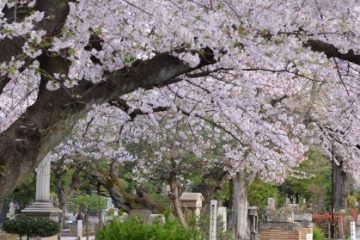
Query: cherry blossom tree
x=173 y=153
x=222 y=61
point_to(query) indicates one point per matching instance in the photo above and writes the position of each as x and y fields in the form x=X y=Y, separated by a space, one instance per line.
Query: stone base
x=42 y=209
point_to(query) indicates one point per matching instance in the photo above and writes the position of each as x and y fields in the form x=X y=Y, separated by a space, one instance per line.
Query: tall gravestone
x=213 y=220
x=223 y=216
x=352 y=231
x=42 y=207
x=79 y=229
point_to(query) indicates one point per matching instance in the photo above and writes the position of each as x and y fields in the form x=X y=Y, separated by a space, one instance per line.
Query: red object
x=353 y=213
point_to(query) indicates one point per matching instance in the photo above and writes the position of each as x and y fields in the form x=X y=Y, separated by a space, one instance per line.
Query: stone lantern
x=191 y=204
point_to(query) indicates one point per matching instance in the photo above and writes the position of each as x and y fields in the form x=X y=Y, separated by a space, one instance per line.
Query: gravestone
x=223 y=216
x=11 y=212
x=213 y=220
x=141 y=214
x=271 y=203
x=79 y=229
x=352 y=231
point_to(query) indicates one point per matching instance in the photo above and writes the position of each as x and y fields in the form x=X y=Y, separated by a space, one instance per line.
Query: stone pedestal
x=42 y=207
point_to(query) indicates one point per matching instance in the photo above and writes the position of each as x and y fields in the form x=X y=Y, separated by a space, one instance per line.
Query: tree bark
x=239 y=223
x=175 y=198
x=340 y=186
x=61 y=196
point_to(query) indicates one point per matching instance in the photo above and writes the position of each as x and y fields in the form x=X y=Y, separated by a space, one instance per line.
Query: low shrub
x=317 y=233
x=31 y=227
x=133 y=229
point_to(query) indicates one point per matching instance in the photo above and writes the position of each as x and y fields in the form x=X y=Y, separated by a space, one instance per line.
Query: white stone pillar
x=213 y=220
x=223 y=214
x=43 y=181
x=79 y=229
x=42 y=207
x=352 y=231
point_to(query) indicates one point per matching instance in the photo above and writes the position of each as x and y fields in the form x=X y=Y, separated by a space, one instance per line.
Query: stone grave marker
x=271 y=203
x=79 y=229
x=223 y=216
x=352 y=231
x=213 y=220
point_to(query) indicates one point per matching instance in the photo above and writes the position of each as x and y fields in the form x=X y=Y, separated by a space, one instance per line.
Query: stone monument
x=42 y=207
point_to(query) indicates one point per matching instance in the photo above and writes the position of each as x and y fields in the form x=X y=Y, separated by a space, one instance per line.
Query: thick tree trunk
x=239 y=222
x=175 y=198
x=62 y=200
x=340 y=187
x=62 y=195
